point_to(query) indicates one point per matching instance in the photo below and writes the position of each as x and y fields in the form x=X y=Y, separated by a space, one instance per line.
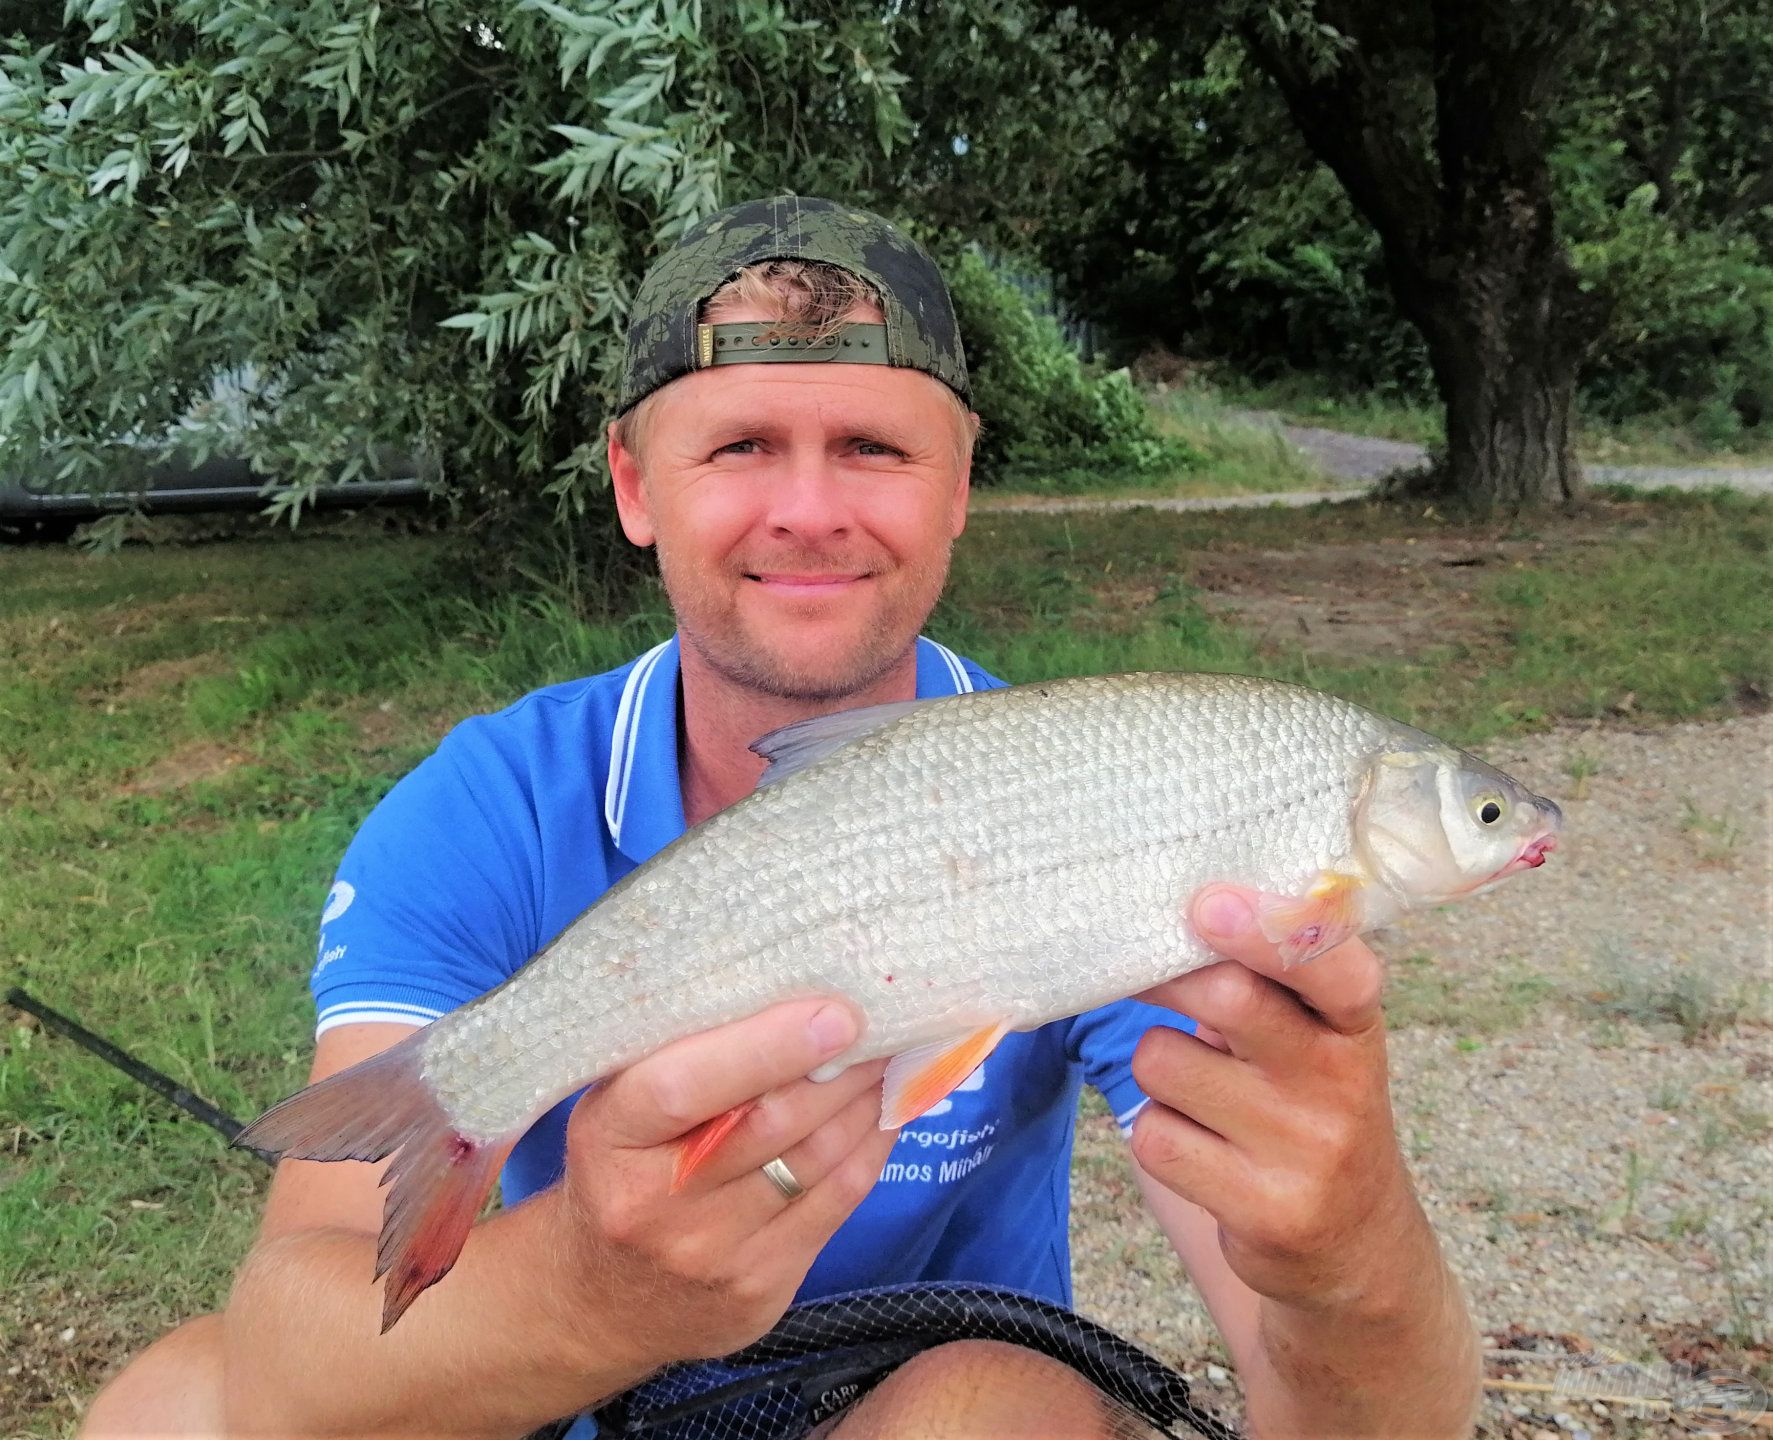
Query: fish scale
x=955 y=868
x=1114 y=797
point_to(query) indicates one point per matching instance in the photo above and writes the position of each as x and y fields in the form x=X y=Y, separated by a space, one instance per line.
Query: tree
x=419 y=224
x=1434 y=116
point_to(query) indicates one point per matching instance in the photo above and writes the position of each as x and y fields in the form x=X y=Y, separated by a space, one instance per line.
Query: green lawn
x=191 y=734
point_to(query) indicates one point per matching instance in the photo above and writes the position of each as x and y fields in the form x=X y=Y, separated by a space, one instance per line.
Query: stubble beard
x=729 y=647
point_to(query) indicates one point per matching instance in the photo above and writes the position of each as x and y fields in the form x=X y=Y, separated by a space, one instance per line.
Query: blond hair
x=812 y=297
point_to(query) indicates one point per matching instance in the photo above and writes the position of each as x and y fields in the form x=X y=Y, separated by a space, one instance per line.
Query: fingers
x=786 y=1119
x=1253 y=1017
x=806 y=1224
x=1222 y=1093
x=1188 y=1158
x=694 y=1079
x=1343 y=985
x=816 y=1158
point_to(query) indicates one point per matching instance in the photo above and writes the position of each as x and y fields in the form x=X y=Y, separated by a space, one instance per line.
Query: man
x=794 y=438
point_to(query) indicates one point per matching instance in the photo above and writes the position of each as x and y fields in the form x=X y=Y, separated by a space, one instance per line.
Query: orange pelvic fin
x=697 y=1147
x=919 y=1078
x=439 y=1177
x=1328 y=914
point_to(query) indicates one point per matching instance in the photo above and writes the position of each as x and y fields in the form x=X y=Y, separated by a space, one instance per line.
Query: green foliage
x=1045 y=416
x=1202 y=224
x=1691 y=324
x=1200 y=221
x=418 y=225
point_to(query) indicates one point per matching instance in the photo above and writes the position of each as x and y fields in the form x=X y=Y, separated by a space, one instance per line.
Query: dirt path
x=1366 y=458
x=1354 y=463
x=1583 y=1084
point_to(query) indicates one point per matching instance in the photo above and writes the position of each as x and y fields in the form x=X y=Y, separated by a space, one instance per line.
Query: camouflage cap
x=666 y=340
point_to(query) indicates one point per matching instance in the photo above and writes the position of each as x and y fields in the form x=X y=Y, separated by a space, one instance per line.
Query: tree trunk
x=1463 y=209
x=1505 y=347
x=1508 y=433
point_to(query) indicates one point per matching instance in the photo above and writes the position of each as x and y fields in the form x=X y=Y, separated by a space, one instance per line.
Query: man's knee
x=975 y=1388
x=174 y=1387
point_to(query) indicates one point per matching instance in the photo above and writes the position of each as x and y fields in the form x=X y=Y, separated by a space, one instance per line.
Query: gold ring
x=783 y=1179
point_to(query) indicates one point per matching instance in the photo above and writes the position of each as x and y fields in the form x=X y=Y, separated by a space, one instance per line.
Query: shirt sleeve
x=435 y=901
x=1103 y=1040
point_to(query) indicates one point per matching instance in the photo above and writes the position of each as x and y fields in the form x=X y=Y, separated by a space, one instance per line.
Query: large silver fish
x=958 y=868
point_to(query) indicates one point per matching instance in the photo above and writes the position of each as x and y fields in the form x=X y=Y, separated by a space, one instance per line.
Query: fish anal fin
x=436 y=1182
x=919 y=1078
x=697 y=1147
x=1302 y=927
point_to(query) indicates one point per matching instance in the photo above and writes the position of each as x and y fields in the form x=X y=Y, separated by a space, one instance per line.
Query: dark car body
x=32 y=505
x=32 y=509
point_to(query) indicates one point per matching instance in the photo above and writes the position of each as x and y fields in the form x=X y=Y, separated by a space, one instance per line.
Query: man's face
x=803 y=516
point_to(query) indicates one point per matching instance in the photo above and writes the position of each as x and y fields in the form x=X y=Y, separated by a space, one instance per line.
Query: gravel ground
x=1589 y=1132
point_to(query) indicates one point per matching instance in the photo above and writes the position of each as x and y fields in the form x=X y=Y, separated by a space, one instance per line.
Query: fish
x=956 y=868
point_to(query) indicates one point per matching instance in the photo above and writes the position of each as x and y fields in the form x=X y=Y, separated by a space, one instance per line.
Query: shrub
x=1044 y=414
x=1691 y=326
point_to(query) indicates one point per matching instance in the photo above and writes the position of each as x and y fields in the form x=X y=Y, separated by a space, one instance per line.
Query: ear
x=964 y=493
x=630 y=488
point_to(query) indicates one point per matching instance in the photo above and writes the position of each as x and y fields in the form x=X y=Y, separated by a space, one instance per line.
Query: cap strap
x=762 y=341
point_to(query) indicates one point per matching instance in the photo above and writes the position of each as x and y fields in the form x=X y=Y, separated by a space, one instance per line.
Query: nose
x=808 y=502
x=1554 y=817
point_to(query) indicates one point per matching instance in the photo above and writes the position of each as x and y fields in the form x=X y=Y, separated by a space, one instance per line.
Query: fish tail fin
x=439 y=1177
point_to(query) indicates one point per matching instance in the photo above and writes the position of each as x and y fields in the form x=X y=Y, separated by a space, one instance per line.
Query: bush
x=1044 y=414
x=1691 y=327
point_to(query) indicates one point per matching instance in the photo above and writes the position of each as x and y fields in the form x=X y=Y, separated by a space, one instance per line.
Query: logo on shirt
x=338 y=901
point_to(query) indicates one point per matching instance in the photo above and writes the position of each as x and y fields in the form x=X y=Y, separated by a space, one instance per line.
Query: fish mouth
x=1533 y=853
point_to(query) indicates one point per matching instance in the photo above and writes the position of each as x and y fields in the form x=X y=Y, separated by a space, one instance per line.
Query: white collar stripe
x=963 y=682
x=621 y=760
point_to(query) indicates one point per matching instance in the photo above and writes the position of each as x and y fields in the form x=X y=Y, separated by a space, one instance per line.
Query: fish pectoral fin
x=1305 y=926
x=696 y=1148
x=919 y=1078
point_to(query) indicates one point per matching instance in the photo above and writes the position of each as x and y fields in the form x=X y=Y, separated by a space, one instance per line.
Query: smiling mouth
x=806 y=582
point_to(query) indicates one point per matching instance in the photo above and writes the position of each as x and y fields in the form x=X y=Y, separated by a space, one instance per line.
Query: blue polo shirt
x=519 y=820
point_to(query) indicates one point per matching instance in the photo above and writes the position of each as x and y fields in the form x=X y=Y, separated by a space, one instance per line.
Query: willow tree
x=416 y=226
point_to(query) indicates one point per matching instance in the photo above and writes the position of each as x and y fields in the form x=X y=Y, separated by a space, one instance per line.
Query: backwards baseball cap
x=666 y=337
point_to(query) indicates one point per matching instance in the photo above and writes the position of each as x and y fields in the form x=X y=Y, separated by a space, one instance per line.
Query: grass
x=191 y=735
x=1657 y=439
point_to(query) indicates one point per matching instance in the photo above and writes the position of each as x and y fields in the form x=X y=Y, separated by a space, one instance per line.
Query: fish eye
x=1489 y=809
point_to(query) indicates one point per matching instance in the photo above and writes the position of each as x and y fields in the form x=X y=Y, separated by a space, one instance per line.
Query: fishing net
x=825 y=1354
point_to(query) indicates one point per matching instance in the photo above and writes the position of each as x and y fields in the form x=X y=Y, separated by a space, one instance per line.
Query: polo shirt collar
x=643 y=793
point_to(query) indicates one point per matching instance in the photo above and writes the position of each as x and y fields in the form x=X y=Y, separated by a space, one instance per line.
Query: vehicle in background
x=29 y=510
x=32 y=507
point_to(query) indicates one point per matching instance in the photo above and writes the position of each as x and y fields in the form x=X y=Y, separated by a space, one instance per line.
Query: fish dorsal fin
x=794 y=747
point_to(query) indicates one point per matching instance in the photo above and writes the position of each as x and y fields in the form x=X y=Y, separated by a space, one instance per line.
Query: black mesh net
x=825 y=1354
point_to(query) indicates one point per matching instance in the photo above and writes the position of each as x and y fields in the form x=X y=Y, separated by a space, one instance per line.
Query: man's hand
x=1276 y=1120
x=707 y=1270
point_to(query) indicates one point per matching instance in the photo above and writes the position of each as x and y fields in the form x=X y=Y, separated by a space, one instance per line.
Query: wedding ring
x=783 y=1179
